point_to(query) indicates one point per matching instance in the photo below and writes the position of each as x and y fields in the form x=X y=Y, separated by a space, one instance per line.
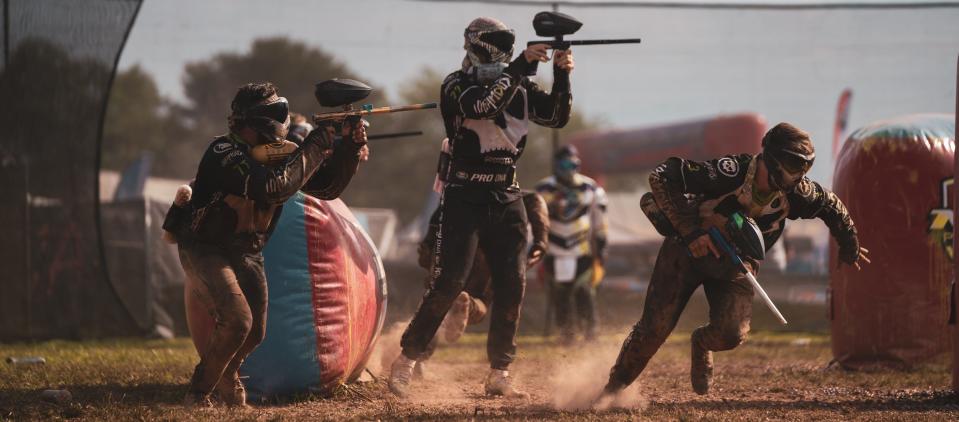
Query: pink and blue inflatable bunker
x=327 y=302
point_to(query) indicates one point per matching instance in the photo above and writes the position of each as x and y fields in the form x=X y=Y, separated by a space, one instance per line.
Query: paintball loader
x=747 y=237
x=337 y=93
x=345 y=92
x=558 y=25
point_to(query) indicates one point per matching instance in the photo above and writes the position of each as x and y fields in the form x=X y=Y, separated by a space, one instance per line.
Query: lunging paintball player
x=472 y=304
x=235 y=204
x=690 y=198
x=577 y=237
x=486 y=107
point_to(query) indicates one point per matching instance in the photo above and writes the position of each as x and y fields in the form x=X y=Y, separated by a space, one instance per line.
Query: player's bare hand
x=365 y=152
x=535 y=255
x=536 y=53
x=563 y=59
x=702 y=246
x=863 y=257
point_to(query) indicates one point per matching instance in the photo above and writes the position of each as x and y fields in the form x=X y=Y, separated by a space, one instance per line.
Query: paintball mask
x=270 y=119
x=566 y=163
x=489 y=46
x=788 y=155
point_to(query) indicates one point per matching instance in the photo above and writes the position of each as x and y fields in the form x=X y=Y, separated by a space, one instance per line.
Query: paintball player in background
x=235 y=204
x=687 y=198
x=299 y=128
x=486 y=107
x=577 y=237
x=472 y=304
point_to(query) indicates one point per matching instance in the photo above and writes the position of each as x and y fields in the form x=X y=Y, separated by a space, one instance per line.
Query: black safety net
x=59 y=58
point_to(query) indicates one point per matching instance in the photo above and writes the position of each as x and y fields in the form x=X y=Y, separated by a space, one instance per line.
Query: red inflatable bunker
x=327 y=302
x=895 y=176
x=629 y=151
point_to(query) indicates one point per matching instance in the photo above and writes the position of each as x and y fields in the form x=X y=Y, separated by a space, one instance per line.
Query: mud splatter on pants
x=236 y=282
x=675 y=277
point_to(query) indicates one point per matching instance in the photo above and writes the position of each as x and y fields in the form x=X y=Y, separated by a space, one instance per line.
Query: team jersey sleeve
x=675 y=180
x=810 y=200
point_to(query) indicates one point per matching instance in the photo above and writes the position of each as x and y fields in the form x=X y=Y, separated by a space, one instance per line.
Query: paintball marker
x=558 y=25
x=344 y=92
x=747 y=236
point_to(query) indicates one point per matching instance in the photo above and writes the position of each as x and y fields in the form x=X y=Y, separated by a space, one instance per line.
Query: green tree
x=140 y=120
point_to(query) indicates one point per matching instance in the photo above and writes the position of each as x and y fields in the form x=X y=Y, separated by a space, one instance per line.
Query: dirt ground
x=774 y=376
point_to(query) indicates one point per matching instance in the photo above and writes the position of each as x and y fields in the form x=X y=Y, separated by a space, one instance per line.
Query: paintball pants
x=236 y=281
x=499 y=230
x=579 y=292
x=675 y=277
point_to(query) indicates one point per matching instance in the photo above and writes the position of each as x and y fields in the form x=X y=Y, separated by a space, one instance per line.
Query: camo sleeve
x=675 y=179
x=331 y=180
x=538 y=218
x=239 y=174
x=554 y=108
x=475 y=101
x=810 y=200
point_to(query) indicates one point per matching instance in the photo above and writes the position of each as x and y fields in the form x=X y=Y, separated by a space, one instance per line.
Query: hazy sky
x=785 y=65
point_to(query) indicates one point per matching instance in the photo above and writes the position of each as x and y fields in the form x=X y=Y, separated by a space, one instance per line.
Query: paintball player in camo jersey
x=235 y=204
x=486 y=107
x=687 y=197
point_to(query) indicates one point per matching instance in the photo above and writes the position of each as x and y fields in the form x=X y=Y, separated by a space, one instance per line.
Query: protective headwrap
x=489 y=46
x=566 y=162
x=270 y=118
x=787 y=158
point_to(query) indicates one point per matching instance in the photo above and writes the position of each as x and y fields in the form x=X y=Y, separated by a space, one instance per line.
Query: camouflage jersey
x=695 y=195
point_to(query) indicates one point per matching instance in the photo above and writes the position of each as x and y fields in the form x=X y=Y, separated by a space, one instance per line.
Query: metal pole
x=554 y=142
x=6 y=33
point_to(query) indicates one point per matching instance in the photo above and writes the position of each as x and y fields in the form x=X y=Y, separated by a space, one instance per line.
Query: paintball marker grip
x=720 y=240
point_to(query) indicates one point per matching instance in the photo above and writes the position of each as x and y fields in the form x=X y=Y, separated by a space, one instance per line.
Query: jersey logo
x=728 y=166
x=222 y=147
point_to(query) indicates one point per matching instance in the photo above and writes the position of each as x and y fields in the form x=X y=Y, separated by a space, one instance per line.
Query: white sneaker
x=400 y=373
x=499 y=383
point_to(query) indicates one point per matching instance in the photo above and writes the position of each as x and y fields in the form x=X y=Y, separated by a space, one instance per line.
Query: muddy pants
x=578 y=292
x=499 y=230
x=674 y=279
x=236 y=284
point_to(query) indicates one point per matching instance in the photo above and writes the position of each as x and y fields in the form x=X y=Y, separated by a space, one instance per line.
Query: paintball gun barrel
x=557 y=25
x=344 y=92
x=720 y=240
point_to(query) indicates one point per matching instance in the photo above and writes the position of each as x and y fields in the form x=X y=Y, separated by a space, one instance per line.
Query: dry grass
x=773 y=376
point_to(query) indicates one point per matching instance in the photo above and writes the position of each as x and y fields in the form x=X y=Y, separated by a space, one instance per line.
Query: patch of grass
x=775 y=375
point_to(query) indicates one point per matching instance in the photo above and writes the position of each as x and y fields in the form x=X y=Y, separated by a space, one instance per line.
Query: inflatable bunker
x=896 y=178
x=634 y=150
x=327 y=302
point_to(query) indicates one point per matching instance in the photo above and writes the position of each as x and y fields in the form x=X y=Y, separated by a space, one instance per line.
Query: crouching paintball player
x=689 y=199
x=472 y=304
x=235 y=204
x=577 y=237
x=486 y=107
